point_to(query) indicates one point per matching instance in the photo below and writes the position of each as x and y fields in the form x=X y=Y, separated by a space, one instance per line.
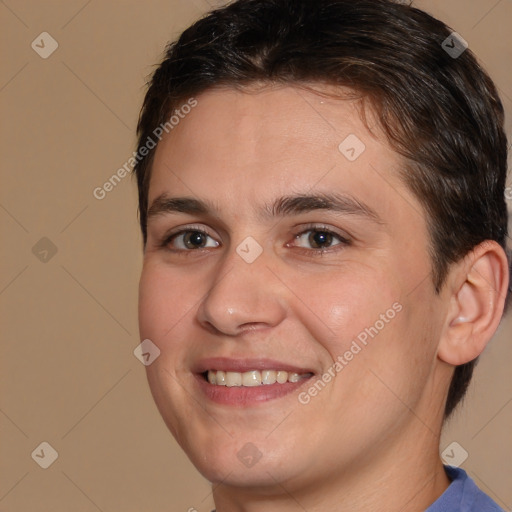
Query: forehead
x=284 y=120
x=268 y=142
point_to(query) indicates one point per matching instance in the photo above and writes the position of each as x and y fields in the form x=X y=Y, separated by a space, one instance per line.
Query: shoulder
x=463 y=495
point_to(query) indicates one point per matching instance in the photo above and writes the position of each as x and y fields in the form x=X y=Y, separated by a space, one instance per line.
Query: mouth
x=252 y=378
x=248 y=382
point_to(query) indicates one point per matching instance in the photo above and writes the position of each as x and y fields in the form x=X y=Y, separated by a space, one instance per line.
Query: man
x=321 y=198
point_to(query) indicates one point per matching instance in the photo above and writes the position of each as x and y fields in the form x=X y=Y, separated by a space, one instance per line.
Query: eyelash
x=316 y=228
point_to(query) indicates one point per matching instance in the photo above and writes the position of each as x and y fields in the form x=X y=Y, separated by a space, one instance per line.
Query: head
x=275 y=90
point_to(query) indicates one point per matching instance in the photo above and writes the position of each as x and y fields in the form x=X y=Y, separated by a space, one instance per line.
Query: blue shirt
x=462 y=495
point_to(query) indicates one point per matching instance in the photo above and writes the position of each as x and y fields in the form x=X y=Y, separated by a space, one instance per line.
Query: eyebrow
x=281 y=207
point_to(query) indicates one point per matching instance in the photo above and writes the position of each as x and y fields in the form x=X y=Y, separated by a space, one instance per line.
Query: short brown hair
x=443 y=114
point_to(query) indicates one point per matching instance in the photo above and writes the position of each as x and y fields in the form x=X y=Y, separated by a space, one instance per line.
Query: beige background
x=69 y=325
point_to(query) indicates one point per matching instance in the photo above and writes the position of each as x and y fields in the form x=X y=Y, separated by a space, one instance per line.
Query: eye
x=320 y=238
x=189 y=239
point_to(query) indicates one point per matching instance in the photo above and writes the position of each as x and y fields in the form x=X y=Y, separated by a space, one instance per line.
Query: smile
x=252 y=378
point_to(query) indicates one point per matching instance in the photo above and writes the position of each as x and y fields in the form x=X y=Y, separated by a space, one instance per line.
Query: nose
x=243 y=296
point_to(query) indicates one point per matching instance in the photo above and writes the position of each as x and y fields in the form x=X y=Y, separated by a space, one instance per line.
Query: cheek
x=351 y=301
x=376 y=327
x=152 y=300
x=163 y=302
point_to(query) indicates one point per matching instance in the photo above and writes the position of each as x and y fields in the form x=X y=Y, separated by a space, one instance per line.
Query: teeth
x=253 y=377
x=293 y=377
x=268 y=377
x=232 y=379
x=282 y=377
x=220 y=378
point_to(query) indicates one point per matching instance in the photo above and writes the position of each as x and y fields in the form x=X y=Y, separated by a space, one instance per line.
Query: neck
x=398 y=478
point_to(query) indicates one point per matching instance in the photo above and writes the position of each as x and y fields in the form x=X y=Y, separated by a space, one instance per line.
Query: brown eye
x=194 y=239
x=191 y=239
x=320 y=239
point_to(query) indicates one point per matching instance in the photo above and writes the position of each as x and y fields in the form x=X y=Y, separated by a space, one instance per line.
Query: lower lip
x=247 y=395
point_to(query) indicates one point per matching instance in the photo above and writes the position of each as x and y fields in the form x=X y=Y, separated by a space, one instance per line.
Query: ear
x=477 y=287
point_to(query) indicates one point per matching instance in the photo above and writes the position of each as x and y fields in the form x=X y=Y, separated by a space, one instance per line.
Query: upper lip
x=244 y=365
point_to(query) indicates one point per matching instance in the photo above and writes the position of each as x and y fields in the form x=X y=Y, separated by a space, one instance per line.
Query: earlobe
x=479 y=287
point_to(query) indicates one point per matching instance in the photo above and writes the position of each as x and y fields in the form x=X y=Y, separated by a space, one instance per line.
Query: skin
x=369 y=440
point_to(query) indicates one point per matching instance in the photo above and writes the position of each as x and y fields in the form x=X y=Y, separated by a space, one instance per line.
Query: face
x=247 y=275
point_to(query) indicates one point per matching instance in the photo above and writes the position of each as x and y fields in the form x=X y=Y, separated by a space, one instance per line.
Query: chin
x=242 y=464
